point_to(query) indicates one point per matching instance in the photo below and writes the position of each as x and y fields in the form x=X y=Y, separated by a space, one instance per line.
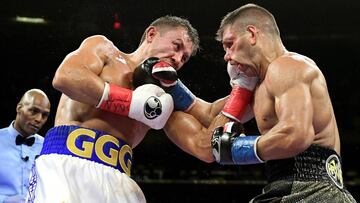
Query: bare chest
x=118 y=71
x=264 y=109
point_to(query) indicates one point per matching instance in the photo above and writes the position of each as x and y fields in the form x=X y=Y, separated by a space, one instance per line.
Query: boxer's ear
x=253 y=34
x=151 y=32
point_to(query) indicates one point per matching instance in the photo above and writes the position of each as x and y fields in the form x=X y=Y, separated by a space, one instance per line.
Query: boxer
x=299 y=140
x=101 y=117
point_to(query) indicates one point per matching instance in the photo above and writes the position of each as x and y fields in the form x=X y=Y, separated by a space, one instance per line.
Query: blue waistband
x=90 y=144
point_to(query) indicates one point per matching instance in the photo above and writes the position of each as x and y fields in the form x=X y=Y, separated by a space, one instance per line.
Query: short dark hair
x=174 y=22
x=250 y=14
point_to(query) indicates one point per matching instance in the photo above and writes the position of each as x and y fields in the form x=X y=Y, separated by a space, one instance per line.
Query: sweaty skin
x=291 y=103
x=82 y=74
x=293 y=109
x=193 y=135
x=292 y=106
x=106 y=62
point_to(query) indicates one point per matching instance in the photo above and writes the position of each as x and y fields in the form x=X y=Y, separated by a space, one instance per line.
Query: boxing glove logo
x=152 y=108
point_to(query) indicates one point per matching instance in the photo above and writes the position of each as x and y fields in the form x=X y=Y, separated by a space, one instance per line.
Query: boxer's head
x=171 y=38
x=32 y=112
x=245 y=33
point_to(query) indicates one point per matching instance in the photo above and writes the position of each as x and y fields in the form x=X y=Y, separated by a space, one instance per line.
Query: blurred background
x=36 y=35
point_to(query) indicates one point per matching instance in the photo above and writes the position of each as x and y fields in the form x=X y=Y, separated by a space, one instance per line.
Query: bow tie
x=27 y=141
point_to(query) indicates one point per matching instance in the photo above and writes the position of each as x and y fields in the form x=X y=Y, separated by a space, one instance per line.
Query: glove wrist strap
x=116 y=99
x=182 y=96
x=244 y=150
x=105 y=95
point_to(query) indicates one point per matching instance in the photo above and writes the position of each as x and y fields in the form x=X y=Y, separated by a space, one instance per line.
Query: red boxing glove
x=237 y=102
x=241 y=93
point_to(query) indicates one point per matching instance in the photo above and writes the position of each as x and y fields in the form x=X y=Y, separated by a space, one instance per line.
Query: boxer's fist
x=154 y=71
x=241 y=93
x=240 y=79
x=151 y=105
x=222 y=140
x=161 y=73
x=231 y=146
x=148 y=103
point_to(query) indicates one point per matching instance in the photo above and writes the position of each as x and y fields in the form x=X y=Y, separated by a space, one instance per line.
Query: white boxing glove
x=151 y=105
x=148 y=103
x=239 y=78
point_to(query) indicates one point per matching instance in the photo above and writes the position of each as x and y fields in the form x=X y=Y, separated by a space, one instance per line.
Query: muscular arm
x=205 y=112
x=294 y=131
x=191 y=136
x=77 y=76
x=192 y=131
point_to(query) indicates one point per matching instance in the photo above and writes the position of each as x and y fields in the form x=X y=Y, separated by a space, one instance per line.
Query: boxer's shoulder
x=95 y=40
x=99 y=45
x=118 y=65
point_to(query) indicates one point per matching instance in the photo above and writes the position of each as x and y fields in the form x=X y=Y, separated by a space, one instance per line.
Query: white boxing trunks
x=81 y=165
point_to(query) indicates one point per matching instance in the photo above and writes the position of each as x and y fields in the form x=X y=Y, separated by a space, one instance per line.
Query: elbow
x=202 y=153
x=291 y=138
x=207 y=159
x=296 y=146
x=59 y=81
x=298 y=140
x=56 y=82
x=205 y=156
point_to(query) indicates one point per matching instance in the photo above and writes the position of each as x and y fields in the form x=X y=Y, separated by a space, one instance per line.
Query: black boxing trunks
x=314 y=175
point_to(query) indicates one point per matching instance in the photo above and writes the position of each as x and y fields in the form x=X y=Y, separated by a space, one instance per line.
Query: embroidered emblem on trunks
x=333 y=169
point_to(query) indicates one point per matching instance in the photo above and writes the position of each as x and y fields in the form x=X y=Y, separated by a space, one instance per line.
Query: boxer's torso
x=117 y=70
x=324 y=123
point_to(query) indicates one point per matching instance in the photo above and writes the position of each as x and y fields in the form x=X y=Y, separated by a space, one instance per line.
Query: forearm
x=284 y=140
x=191 y=136
x=79 y=84
x=78 y=76
x=205 y=112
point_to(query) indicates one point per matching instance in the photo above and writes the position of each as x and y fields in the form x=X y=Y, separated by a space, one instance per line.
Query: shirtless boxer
x=299 y=136
x=300 y=141
x=191 y=125
x=87 y=155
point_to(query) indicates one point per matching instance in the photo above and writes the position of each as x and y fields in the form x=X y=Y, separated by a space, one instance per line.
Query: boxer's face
x=172 y=45
x=32 y=115
x=238 y=50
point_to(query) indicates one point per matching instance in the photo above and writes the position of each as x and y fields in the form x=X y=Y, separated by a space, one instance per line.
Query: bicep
x=292 y=132
x=294 y=108
x=90 y=55
x=78 y=75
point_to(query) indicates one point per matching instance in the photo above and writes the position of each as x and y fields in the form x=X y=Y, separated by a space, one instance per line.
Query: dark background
x=326 y=31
